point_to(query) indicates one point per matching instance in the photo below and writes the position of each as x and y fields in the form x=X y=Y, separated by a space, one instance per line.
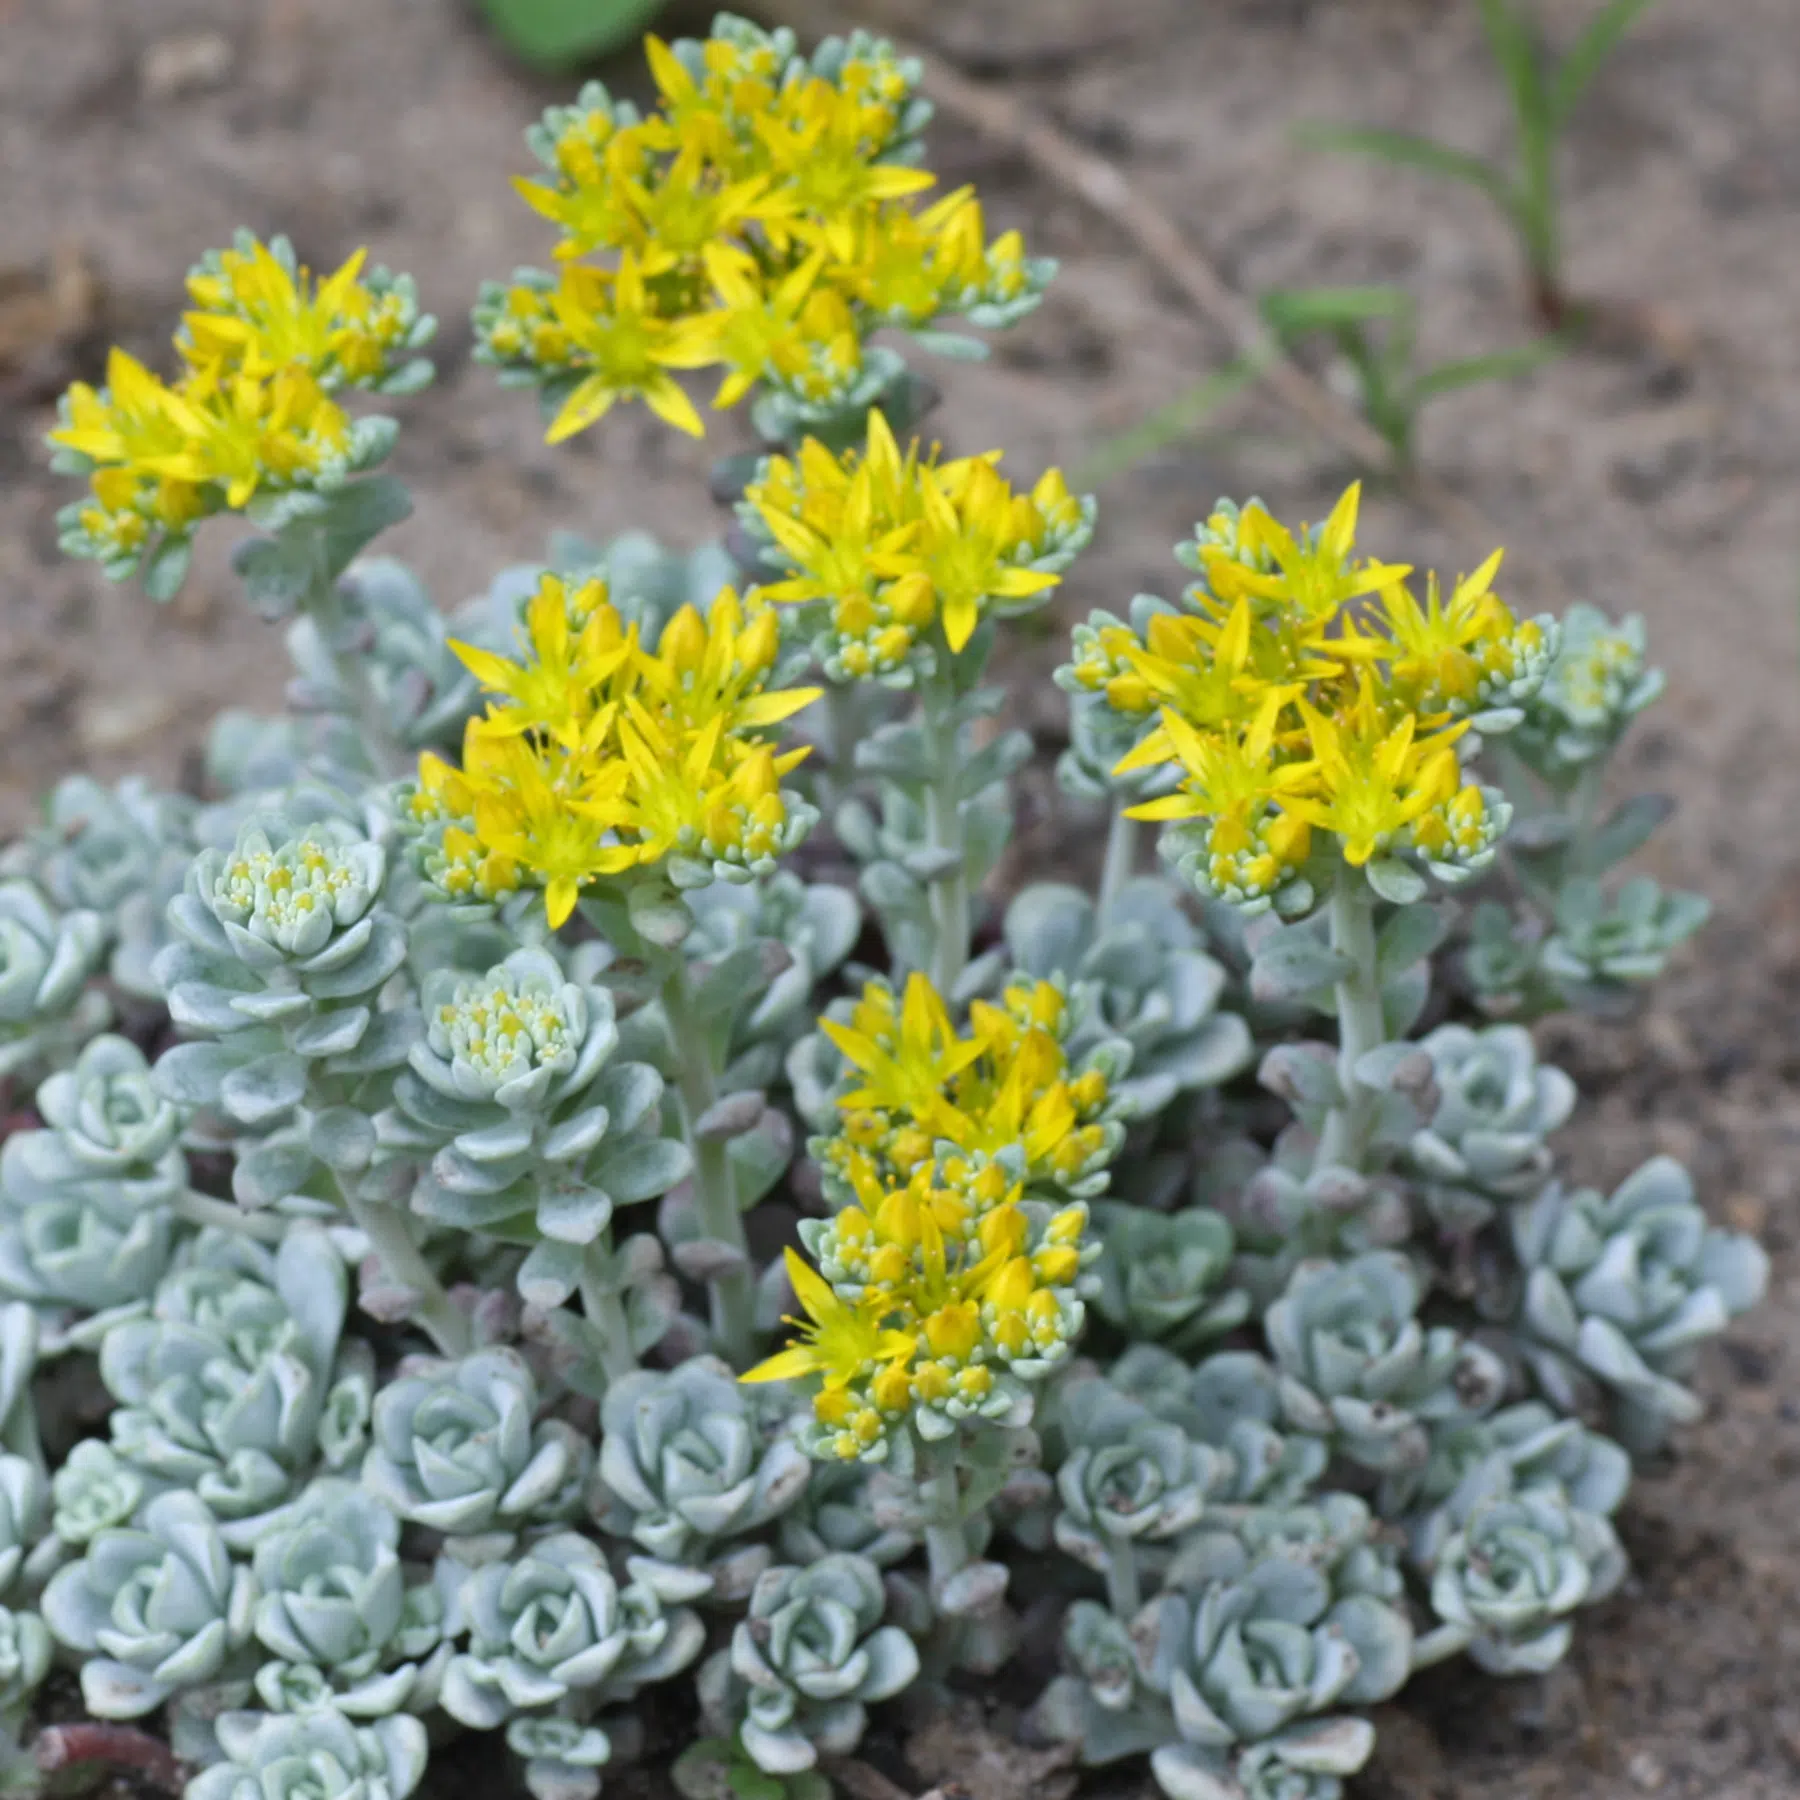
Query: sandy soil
x=1661 y=480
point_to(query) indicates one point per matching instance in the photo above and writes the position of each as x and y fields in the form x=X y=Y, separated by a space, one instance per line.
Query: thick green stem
x=731 y=1295
x=944 y=829
x=605 y=1311
x=390 y=1237
x=202 y=1209
x=1122 y=1592
x=390 y=757
x=1361 y=1029
x=1122 y=839
x=946 y=1531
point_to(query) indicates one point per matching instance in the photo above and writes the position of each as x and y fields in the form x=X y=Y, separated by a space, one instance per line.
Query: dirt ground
x=1662 y=480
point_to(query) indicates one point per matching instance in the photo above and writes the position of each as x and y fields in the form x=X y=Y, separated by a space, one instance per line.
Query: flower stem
x=1122 y=838
x=435 y=1313
x=201 y=1209
x=606 y=1311
x=1344 y=1141
x=944 y=830
x=731 y=1295
x=1123 y=1596
x=946 y=1532
x=390 y=757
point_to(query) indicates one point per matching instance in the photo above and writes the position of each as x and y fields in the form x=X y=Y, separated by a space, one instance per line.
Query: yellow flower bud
x=683 y=641
x=975 y=1383
x=892 y=1388
x=1057 y=1264
x=833 y=1406
x=757 y=647
x=931 y=1382
x=1003 y=1229
x=953 y=1330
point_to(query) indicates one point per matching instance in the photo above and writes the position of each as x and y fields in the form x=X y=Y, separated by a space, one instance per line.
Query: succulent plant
x=84 y=1202
x=1143 y=976
x=562 y=1757
x=335 y=1602
x=120 y=852
x=313 y=1756
x=851 y=1507
x=94 y=1491
x=554 y=1624
x=1596 y=686
x=535 y=1129
x=1127 y=1476
x=284 y=951
x=1506 y=1582
x=155 y=1608
x=458 y=1448
x=24 y=1506
x=1484 y=1143
x=1165 y=1277
x=684 y=1462
x=1359 y=1368
x=806 y=1661
x=1257 y=1657
x=1622 y=1289
x=25 y=1652
x=1602 y=947
x=46 y=960
x=222 y=1387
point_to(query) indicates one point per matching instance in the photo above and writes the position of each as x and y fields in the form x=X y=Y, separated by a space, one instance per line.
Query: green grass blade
x=1589 y=52
x=1510 y=35
x=1497 y=365
x=1291 y=311
x=1183 y=415
x=1411 y=152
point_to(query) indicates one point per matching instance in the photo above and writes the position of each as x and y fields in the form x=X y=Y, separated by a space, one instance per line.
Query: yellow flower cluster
x=597 y=756
x=942 y=1287
x=921 y=1091
x=262 y=353
x=1306 y=692
x=891 y=545
x=763 y=221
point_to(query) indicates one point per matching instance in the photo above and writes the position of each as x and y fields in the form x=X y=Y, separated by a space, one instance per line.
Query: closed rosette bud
x=221 y=1388
x=46 y=961
x=1165 y=1277
x=1127 y=1476
x=1507 y=1581
x=684 y=1462
x=335 y=1601
x=1622 y=1289
x=313 y=1756
x=155 y=1609
x=554 y=1624
x=458 y=1449
x=84 y=1218
x=805 y=1663
x=1359 y=1369
x=1596 y=686
x=1496 y=1104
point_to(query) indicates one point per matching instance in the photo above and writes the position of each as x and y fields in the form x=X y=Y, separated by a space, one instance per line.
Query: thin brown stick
x=860 y=1781
x=1103 y=186
x=60 y=1747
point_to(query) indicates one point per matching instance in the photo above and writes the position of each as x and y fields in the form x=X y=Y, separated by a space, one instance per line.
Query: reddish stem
x=123 y=1746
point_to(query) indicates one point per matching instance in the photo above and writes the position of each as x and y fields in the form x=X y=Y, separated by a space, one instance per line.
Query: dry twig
x=59 y=1747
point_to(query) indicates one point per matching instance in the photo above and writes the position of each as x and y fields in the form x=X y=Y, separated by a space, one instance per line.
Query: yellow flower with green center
x=754 y=165
x=895 y=542
x=1375 y=775
x=599 y=756
x=626 y=344
x=1309 y=575
x=838 y=1344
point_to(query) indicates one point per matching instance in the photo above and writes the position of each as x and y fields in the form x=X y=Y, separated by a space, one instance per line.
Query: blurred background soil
x=1663 y=478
